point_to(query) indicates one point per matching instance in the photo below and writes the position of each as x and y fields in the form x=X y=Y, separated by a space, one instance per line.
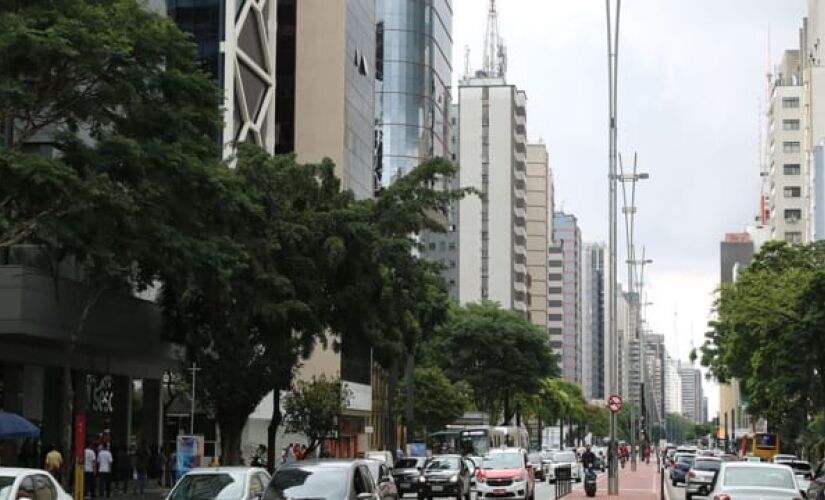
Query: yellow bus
x=764 y=445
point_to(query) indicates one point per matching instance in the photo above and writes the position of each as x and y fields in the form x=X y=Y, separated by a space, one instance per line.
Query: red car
x=506 y=473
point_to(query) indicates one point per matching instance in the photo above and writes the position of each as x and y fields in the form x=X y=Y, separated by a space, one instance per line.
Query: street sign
x=614 y=402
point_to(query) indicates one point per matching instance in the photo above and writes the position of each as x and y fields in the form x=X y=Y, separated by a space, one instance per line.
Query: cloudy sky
x=692 y=80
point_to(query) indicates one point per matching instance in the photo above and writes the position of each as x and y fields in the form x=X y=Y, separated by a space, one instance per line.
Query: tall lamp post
x=612 y=69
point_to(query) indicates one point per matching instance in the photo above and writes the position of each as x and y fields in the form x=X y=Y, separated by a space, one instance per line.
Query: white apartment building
x=692 y=394
x=493 y=227
x=567 y=238
x=788 y=172
x=539 y=207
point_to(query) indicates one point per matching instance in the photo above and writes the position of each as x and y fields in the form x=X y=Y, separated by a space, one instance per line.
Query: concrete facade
x=692 y=394
x=539 y=206
x=593 y=320
x=492 y=158
x=567 y=236
x=673 y=387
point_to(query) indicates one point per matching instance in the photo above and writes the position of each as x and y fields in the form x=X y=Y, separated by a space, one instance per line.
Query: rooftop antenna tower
x=466 y=62
x=495 y=53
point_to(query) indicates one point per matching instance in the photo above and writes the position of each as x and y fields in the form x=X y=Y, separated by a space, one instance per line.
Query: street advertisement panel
x=416 y=449
x=189 y=453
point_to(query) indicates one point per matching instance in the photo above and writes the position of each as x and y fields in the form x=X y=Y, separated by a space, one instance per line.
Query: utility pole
x=194 y=369
x=612 y=69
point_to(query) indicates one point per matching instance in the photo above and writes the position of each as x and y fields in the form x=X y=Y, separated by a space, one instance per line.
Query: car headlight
x=422 y=479
x=519 y=478
x=454 y=479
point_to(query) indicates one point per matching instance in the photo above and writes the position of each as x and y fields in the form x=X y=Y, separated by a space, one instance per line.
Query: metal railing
x=564 y=477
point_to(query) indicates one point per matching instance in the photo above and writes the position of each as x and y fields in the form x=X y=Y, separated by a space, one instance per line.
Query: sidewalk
x=643 y=484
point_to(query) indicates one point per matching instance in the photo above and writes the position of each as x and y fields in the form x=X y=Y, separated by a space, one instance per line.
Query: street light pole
x=194 y=369
x=612 y=69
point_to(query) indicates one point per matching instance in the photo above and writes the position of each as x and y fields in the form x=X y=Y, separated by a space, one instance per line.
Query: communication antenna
x=495 y=53
x=466 y=61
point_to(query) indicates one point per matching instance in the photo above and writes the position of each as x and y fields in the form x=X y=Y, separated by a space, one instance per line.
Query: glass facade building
x=413 y=79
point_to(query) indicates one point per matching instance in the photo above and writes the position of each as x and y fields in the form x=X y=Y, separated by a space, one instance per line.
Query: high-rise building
x=538 y=211
x=656 y=366
x=493 y=159
x=413 y=76
x=673 y=387
x=788 y=172
x=593 y=335
x=692 y=394
x=567 y=237
x=236 y=44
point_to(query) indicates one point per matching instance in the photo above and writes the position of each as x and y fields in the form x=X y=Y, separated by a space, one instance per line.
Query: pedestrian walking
x=89 y=466
x=141 y=468
x=171 y=469
x=54 y=462
x=123 y=469
x=104 y=471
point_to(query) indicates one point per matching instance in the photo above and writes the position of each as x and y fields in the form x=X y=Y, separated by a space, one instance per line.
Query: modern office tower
x=673 y=387
x=622 y=360
x=555 y=306
x=593 y=334
x=492 y=158
x=656 y=366
x=413 y=76
x=692 y=394
x=236 y=44
x=538 y=210
x=788 y=172
x=567 y=236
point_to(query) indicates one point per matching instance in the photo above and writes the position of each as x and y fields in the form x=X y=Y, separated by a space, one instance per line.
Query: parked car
x=406 y=474
x=752 y=481
x=506 y=472
x=816 y=486
x=783 y=457
x=563 y=459
x=445 y=476
x=383 y=479
x=683 y=463
x=701 y=476
x=29 y=483
x=323 y=480
x=226 y=483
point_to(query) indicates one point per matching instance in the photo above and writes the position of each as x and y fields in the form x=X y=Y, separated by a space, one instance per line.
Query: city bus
x=446 y=441
x=479 y=440
x=760 y=444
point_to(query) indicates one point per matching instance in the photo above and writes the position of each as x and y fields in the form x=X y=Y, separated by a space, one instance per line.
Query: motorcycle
x=590 y=482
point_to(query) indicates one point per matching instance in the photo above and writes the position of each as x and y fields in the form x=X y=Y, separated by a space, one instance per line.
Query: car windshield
x=502 y=461
x=759 y=477
x=5 y=486
x=707 y=465
x=687 y=459
x=406 y=463
x=442 y=463
x=564 y=457
x=209 y=486
x=303 y=483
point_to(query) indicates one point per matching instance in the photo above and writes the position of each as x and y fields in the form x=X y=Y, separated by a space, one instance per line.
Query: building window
x=452 y=246
x=432 y=246
x=554 y=277
x=791 y=169
x=452 y=264
x=790 y=102
x=790 y=124
x=793 y=236
x=791 y=147
x=792 y=192
x=793 y=215
x=554 y=317
x=554 y=290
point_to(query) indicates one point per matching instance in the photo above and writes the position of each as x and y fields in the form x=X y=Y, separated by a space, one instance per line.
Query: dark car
x=678 y=473
x=406 y=474
x=536 y=459
x=445 y=476
x=702 y=476
x=381 y=476
x=323 y=480
x=816 y=487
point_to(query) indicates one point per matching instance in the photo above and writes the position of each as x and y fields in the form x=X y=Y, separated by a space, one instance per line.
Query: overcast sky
x=692 y=80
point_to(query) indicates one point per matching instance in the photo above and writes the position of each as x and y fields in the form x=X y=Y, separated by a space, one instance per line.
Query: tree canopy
x=312 y=408
x=438 y=402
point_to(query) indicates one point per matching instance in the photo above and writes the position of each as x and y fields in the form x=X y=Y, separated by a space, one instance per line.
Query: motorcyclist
x=588 y=458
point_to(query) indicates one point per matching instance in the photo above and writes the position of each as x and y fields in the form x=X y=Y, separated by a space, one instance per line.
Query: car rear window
x=707 y=465
x=212 y=486
x=308 y=482
x=406 y=463
x=759 y=477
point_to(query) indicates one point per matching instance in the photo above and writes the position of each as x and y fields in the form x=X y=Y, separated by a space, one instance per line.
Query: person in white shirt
x=104 y=471
x=89 y=463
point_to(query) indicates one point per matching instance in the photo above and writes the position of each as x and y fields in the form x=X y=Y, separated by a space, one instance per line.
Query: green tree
x=438 y=402
x=767 y=334
x=312 y=408
x=498 y=352
x=131 y=119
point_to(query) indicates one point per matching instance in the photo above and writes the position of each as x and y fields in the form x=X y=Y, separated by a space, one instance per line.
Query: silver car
x=222 y=483
x=700 y=477
x=563 y=459
x=756 y=481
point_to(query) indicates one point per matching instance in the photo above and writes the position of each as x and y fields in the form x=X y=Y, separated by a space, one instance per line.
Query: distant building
x=593 y=321
x=538 y=209
x=567 y=239
x=705 y=410
x=692 y=393
x=673 y=387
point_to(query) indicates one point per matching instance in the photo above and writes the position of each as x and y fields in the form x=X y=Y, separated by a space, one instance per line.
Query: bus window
x=766 y=441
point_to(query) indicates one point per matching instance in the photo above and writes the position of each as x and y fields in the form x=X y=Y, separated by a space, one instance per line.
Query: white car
x=224 y=483
x=563 y=459
x=29 y=483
